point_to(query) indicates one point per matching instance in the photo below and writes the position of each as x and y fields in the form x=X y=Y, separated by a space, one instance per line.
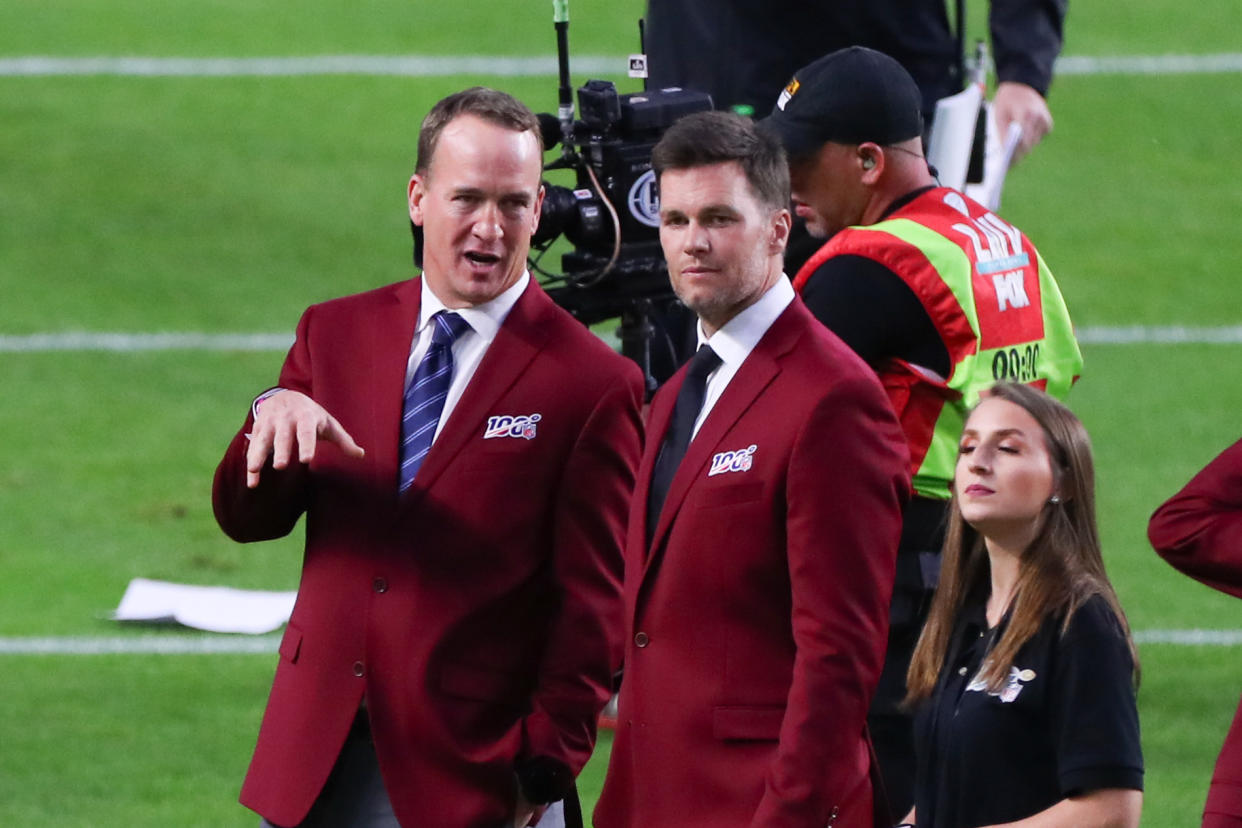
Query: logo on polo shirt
x=1012 y=687
x=512 y=425
x=732 y=461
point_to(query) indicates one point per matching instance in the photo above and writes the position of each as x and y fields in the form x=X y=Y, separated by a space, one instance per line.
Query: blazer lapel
x=517 y=342
x=758 y=371
x=391 y=332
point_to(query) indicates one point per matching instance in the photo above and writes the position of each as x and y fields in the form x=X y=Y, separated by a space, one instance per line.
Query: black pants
x=891 y=726
x=354 y=795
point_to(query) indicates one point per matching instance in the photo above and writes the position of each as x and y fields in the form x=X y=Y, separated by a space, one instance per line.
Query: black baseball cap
x=849 y=96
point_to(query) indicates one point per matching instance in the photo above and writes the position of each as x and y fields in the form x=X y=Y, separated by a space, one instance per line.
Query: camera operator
x=757 y=44
x=941 y=297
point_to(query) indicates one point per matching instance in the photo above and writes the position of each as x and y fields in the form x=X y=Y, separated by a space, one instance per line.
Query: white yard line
x=1190 y=638
x=1160 y=335
x=131 y=342
x=492 y=65
x=153 y=644
x=192 y=341
x=398 y=65
x=1228 y=62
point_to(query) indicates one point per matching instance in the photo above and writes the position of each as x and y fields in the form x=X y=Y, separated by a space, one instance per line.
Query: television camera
x=611 y=217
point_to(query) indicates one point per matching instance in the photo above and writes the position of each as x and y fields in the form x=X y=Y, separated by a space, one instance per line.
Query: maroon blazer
x=1199 y=531
x=479 y=613
x=757 y=620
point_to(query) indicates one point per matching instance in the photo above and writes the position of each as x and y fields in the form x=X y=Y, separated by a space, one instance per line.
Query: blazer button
x=641 y=639
x=380 y=585
x=358 y=671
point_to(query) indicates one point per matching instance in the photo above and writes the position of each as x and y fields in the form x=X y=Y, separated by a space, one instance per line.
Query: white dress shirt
x=737 y=338
x=468 y=350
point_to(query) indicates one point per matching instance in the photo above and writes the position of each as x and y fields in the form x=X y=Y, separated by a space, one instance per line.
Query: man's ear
x=782 y=224
x=417 y=191
x=538 y=211
x=871 y=160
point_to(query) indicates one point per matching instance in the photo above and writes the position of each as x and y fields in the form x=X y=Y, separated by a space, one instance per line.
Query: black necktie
x=680 y=427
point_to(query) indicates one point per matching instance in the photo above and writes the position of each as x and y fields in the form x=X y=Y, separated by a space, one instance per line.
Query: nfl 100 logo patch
x=732 y=461
x=512 y=425
x=1013 y=684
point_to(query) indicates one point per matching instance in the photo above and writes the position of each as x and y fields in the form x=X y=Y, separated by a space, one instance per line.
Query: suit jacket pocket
x=468 y=681
x=731 y=495
x=486 y=457
x=291 y=644
x=750 y=723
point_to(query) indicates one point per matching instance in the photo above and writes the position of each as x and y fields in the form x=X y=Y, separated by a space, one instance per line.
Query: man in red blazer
x=758 y=565
x=459 y=610
x=1199 y=531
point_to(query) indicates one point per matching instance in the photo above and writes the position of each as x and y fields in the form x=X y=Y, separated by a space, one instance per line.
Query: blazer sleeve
x=591 y=509
x=847 y=482
x=271 y=509
x=1199 y=529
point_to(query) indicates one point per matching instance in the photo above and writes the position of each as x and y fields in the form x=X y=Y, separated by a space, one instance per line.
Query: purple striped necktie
x=424 y=399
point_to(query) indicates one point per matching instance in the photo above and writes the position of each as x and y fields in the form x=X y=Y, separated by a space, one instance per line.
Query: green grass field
x=227 y=204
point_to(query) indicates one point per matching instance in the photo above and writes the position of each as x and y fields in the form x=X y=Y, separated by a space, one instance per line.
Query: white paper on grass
x=211 y=608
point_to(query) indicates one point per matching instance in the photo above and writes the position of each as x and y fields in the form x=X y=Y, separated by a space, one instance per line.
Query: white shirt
x=737 y=338
x=468 y=349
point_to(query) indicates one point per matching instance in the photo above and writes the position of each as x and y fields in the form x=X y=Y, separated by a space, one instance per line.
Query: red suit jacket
x=479 y=613
x=1199 y=531
x=757 y=620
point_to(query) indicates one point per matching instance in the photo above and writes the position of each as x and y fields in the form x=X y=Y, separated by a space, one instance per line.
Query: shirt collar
x=739 y=336
x=974 y=613
x=484 y=319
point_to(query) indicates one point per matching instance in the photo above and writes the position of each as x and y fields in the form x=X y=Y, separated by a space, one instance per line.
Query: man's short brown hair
x=705 y=138
x=491 y=105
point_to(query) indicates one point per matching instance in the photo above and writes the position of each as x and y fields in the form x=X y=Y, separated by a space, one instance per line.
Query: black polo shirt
x=1065 y=723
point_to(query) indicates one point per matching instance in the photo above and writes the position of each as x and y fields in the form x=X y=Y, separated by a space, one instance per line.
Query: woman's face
x=1004 y=473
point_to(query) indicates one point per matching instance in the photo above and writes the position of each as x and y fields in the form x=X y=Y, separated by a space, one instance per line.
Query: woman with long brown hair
x=1024 y=677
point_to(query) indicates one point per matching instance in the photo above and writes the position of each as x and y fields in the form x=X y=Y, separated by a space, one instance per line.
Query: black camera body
x=612 y=218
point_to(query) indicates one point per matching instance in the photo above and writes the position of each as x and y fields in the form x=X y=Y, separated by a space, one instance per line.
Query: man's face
x=723 y=246
x=478 y=204
x=827 y=190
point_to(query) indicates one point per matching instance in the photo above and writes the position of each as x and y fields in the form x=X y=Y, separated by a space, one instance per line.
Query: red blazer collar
x=522 y=336
x=758 y=371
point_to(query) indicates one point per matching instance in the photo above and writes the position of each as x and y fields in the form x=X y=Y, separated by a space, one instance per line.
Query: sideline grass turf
x=229 y=204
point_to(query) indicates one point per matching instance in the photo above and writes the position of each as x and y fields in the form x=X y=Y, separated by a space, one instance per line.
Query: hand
x=1021 y=104
x=289 y=417
x=526 y=813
